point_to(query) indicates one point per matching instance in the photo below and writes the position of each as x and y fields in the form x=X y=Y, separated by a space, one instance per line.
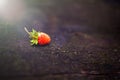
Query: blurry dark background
x=101 y=15
x=94 y=16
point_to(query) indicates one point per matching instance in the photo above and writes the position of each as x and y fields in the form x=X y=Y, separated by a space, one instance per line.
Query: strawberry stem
x=31 y=34
x=27 y=30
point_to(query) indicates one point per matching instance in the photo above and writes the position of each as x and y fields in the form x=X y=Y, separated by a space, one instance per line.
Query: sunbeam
x=12 y=10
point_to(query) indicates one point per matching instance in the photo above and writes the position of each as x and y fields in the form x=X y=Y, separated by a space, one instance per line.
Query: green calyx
x=33 y=35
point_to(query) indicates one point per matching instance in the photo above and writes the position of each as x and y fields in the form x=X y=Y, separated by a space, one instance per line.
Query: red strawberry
x=40 y=38
x=43 y=38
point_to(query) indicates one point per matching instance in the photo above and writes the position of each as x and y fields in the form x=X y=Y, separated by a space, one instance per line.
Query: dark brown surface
x=85 y=40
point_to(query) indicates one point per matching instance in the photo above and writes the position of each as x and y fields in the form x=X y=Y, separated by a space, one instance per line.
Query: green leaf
x=34 y=41
x=31 y=41
x=34 y=34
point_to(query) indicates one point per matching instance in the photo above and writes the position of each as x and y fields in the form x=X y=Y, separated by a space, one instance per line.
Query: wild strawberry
x=43 y=38
x=40 y=38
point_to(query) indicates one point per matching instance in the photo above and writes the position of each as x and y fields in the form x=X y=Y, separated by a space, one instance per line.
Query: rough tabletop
x=79 y=45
